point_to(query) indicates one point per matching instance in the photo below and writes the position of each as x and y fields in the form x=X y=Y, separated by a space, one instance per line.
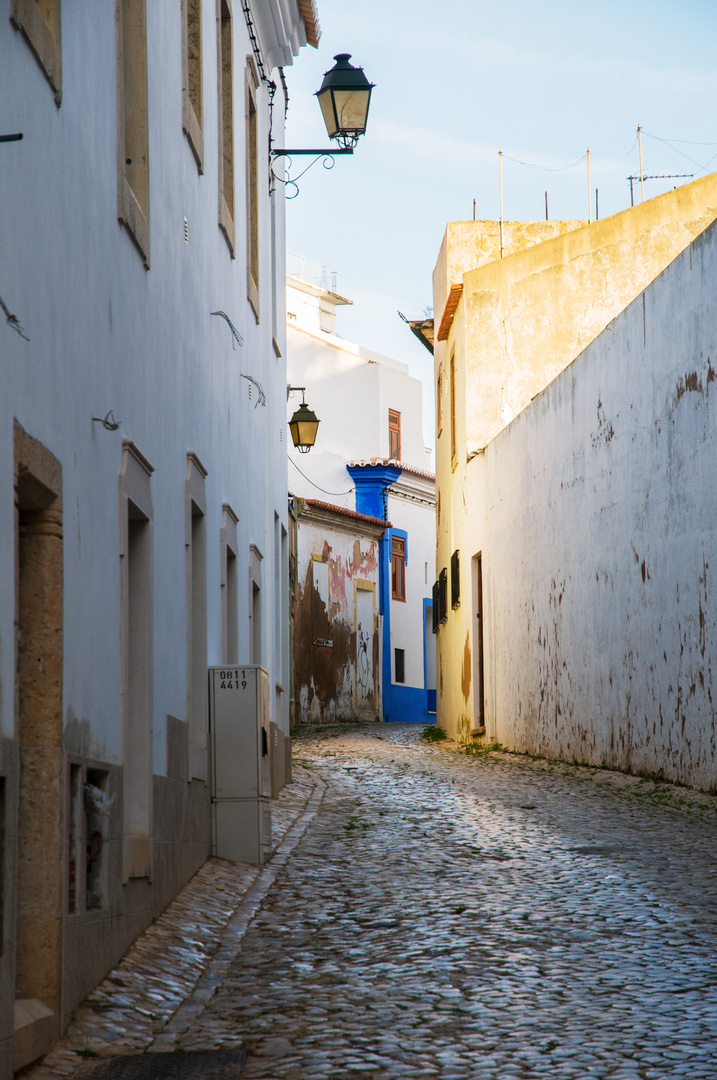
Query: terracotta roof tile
x=347 y=513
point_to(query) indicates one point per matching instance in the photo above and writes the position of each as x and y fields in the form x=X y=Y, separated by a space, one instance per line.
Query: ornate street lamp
x=344 y=97
x=304 y=423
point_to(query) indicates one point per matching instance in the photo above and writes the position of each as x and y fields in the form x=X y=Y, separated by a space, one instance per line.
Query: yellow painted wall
x=470 y=244
x=527 y=316
x=521 y=321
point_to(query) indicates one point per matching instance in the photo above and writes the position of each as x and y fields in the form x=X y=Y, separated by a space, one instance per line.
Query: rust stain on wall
x=466 y=668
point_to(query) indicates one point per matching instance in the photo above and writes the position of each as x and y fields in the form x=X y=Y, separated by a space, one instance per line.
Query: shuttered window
x=455 y=579
x=398 y=568
x=394 y=435
x=443 y=595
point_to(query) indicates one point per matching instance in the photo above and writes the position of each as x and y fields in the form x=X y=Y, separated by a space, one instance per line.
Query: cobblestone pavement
x=442 y=915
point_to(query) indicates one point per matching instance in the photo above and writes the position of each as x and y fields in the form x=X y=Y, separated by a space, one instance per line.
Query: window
x=229 y=586
x=74 y=839
x=40 y=22
x=439 y=403
x=394 y=435
x=454 y=444
x=133 y=122
x=455 y=580
x=398 y=568
x=434 y=607
x=196 y=575
x=251 y=82
x=226 y=121
x=136 y=637
x=399 y=665
x=442 y=595
x=96 y=813
x=192 y=110
x=255 y=612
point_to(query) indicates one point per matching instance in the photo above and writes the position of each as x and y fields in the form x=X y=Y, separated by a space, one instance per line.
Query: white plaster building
x=136 y=551
x=369 y=458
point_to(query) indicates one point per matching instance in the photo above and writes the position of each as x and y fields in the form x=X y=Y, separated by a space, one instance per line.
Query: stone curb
x=169 y=973
x=216 y=972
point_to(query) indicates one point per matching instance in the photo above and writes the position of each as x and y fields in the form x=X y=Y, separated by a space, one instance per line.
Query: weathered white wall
x=350 y=389
x=106 y=333
x=335 y=557
x=596 y=516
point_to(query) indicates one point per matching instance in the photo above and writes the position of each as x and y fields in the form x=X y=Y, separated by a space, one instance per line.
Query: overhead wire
x=546 y=168
x=687 y=142
x=317 y=486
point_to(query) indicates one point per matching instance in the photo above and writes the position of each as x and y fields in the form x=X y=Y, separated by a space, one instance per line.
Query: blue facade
x=402 y=704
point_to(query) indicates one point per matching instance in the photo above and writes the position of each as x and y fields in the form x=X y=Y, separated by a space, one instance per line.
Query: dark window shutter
x=443 y=595
x=455 y=579
x=436 y=620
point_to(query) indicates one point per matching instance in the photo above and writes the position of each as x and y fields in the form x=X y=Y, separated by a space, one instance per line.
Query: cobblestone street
x=435 y=914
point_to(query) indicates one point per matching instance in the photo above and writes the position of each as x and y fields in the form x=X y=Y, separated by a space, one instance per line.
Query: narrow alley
x=431 y=913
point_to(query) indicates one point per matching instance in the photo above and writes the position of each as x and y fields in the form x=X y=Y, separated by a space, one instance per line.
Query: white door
x=365 y=687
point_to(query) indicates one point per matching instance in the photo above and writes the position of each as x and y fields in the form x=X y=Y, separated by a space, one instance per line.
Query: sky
x=457 y=80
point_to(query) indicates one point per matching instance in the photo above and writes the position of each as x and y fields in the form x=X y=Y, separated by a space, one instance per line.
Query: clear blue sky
x=455 y=81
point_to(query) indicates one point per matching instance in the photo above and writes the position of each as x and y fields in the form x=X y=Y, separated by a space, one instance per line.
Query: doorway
x=365 y=688
x=478 y=668
x=38 y=697
x=429 y=654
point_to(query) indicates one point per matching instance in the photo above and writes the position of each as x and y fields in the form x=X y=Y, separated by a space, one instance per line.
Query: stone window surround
x=133 y=204
x=251 y=85
x=225 y=106
x=39 y=883
x=44 y=40
x=192 y=79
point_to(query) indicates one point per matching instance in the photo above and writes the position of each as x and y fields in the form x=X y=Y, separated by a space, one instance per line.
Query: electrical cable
x=670 y=143
x=546 y=168
x=318 y=488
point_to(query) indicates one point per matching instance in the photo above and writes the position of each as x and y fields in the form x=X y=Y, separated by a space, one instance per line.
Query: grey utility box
x=241 y=773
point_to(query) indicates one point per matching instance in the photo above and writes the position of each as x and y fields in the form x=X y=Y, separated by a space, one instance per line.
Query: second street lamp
x=304 y=424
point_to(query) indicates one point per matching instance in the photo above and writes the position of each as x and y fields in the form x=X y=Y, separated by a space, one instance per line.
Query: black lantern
x=344 y=98
x=303 y=425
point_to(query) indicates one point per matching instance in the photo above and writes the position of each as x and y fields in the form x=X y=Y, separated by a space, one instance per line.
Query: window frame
x=133 y=179
x=398 y=568
x=193 y=79
x=443 y=595
x=225 y=130
x=44 y=40
x=251 y=120
x=394 y=429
